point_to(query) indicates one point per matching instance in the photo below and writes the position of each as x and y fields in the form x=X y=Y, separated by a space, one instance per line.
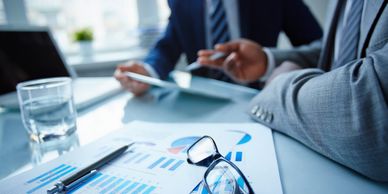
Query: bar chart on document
x=157 y=162
x=135 y=172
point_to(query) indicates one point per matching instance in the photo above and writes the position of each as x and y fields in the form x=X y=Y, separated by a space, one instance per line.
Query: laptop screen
x=27 y=55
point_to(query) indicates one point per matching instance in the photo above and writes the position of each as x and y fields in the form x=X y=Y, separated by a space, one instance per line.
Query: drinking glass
x=47 y=108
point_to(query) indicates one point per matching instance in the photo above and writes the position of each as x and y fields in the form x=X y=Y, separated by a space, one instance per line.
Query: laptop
x=29 y=53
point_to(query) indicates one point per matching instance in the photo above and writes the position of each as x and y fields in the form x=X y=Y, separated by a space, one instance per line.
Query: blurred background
x=122 y=29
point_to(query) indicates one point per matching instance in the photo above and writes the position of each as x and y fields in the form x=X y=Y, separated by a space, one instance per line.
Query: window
x=115 y=23
x=2 y=14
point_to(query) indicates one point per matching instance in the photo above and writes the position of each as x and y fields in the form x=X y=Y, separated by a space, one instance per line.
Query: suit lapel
x=244 y=10
x=371 y=10
x=328 y=40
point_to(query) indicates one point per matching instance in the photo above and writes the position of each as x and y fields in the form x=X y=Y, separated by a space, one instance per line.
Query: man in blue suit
x=199 y=24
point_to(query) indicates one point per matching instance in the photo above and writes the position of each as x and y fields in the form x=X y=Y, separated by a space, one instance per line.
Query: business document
x=157 y=162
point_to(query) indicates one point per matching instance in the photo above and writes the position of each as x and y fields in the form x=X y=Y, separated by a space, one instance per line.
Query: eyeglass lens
x=202 y=150
x=223 y=178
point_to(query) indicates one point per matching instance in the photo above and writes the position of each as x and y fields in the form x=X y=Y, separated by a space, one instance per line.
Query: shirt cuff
x=270 y=65
x=150 y=70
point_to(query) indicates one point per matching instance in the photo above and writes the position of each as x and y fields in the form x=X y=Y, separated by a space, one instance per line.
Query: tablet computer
x=191 y=89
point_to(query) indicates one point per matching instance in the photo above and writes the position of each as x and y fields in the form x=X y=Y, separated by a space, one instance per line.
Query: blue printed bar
x=149 y=190
x=132 y=158
x=107 y=182
x=228 y=156
x=99 y=180
x=139 y=189
x=111 y=186
x=53 y=174
x=238 y=156
x=142 y=158
x=167 y=163
x=128 y=189
x=46 y=173
x=126 y=183
x=51 y=180
x=157 y=162
x=176 y=165
x=85 y=183
x=204 y=191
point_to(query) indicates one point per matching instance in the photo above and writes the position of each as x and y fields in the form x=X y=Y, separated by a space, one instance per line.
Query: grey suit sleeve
x=305 y=56
x=342 y=114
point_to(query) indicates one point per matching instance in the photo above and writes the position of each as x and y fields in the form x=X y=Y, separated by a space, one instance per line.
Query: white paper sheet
x=158 y=165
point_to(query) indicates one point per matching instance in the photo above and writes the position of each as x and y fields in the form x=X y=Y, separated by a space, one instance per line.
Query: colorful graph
x=238 y=155
x=152 y=161
x=104 y=183
x=170 y=164
x=182 y=144
x=49 y=177
x=245 y=139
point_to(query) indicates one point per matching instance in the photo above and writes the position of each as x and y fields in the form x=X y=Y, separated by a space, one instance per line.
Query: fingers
x=231 y=67
x=129 y=84
x=205 y=53
x=137 y=88
x=231 y=62
x=204 y=59
x=229 y=47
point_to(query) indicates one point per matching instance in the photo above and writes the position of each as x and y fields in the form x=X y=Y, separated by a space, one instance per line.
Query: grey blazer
x=342 y=114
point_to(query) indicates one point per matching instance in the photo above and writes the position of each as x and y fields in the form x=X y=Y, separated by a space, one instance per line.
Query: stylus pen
x=196 y=65
x=80 y=176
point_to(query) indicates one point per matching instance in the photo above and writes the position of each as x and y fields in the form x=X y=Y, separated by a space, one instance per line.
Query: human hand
x=136 y=87
x=246 y=61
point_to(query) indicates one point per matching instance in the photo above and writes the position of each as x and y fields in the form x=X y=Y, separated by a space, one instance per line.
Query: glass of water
x=47 y=108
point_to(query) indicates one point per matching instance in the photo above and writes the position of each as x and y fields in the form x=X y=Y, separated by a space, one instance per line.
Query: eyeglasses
x=222 y=176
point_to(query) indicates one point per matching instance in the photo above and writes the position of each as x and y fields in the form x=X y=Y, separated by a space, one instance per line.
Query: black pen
x=74 y=179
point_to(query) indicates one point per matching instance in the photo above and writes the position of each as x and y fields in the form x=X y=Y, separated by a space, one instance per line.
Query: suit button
x=259 y=114
x=269 y=118
x=254 y=109
x=259 y=111
x=263 y=116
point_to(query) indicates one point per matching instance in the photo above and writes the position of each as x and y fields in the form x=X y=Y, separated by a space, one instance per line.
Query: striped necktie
x=219 y=33
x=350 y=34
x=218 y=23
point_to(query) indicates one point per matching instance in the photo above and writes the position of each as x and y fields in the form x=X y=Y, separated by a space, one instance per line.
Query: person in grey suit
x=331 y=95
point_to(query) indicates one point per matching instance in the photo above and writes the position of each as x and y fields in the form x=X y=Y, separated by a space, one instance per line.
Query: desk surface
x=301 y=169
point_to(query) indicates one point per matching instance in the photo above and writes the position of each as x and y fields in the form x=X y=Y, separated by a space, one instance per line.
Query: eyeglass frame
x=211 y=163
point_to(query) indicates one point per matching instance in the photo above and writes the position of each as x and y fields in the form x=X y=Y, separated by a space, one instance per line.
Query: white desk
x=301 y=169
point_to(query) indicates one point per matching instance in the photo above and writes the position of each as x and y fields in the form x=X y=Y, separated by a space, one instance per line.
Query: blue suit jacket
x=260 y=20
